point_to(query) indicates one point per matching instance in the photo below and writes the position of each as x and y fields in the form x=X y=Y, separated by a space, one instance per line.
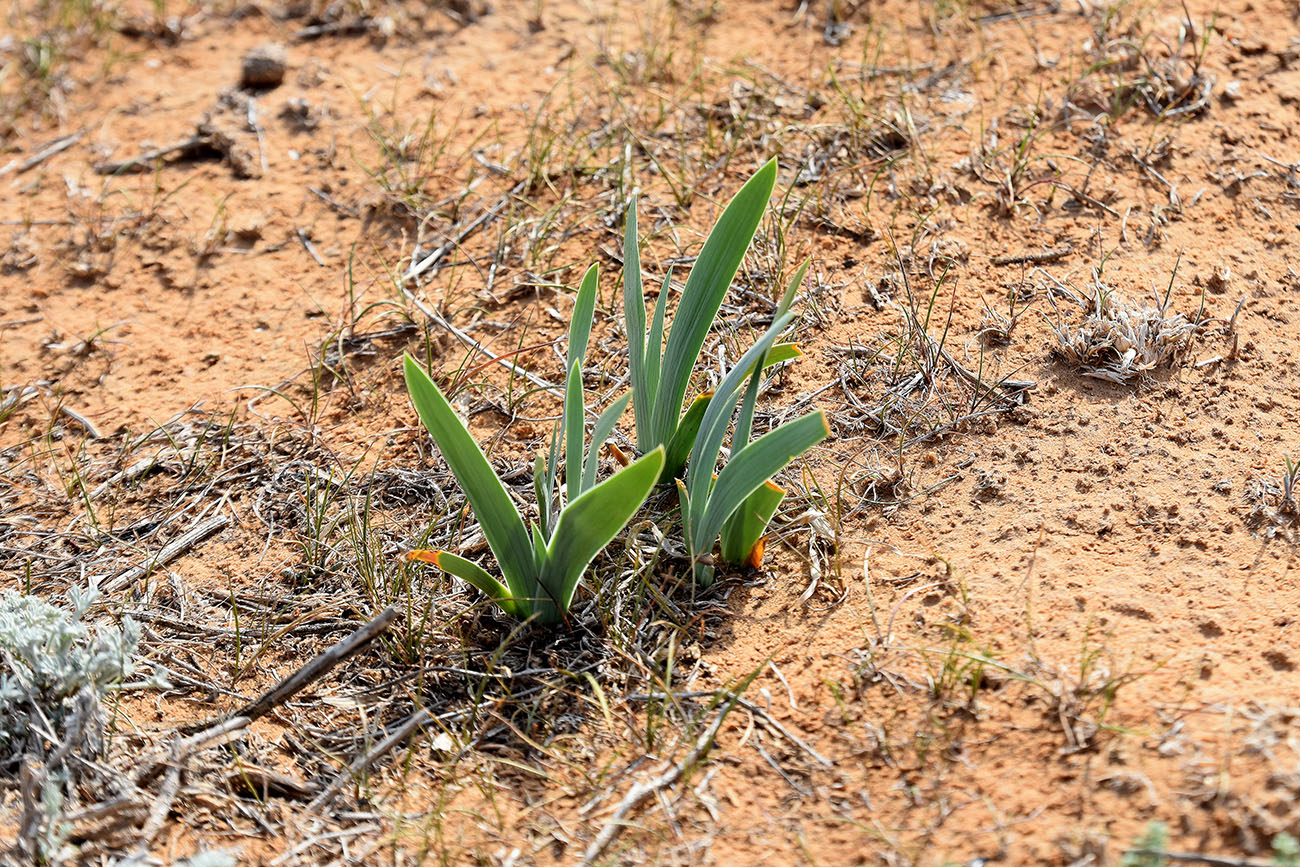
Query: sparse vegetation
x=1027 y=601
x=541 y=568
x=738 y=501
x=661 y=374
x=1120 y=341
x=57 y=671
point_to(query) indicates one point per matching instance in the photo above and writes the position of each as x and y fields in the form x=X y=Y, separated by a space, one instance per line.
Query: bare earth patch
x=1033 y=602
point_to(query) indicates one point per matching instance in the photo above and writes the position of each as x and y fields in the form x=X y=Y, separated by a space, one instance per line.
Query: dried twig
x=1197 y=858
x=142 y=161
x=86 y=424
x=183 y=748
x=334 y=28
x=170 y=552
x=334 y=203
x=464 y=232
x=1055 y=254
x=131 y=473
x=57 y=146
x=314 y=670
x=641 y=791
x=308 y=245
x=473 y=344
x=369 y=757
x=162 y=805
x=763 y=716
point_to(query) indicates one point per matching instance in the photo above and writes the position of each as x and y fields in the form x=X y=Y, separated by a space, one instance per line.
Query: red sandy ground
x=1109 y=558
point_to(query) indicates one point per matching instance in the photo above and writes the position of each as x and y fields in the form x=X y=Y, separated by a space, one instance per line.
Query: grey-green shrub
x=48 y=655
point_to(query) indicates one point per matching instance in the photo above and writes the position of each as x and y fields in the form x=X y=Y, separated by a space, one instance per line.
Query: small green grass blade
x=792 y=288
x=575 y=411
x=634 y=325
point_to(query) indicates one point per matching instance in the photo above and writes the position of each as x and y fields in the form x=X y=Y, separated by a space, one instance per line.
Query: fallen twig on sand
x=170 y=552
x=641 y=791
x=314 y=670
x=479 y=347
x=461 y=235
x=1034 y=257
x=369 y=757
x=86 y=424
x=57 y=146
x=142 y=161
x=1197 y=858
x=183 y=748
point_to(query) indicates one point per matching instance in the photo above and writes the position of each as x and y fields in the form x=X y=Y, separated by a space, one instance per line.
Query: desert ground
x=1033 y=601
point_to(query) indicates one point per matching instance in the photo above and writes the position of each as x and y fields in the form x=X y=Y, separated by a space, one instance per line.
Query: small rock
x=264 y=66
x=469 y=10
x=1219 y=279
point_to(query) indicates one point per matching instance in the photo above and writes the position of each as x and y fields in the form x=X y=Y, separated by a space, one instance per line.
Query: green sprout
x=661 y=374
x=739 y=501
x=541 y=564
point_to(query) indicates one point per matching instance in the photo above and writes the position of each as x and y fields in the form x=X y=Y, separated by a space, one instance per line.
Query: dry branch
x=461 y=235
x=1034 y=257
x=58 y=146
x=141 y=162
x=317 y=668
x=368 y=758
x=641 y=791
x=170 y=552
x=186 y=747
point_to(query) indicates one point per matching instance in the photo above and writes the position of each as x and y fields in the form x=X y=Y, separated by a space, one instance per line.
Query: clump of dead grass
x=1118 y=340
x=1137 y=61
x=1274 y=498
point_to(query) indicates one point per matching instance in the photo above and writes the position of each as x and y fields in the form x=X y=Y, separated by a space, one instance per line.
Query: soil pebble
x=264 y=66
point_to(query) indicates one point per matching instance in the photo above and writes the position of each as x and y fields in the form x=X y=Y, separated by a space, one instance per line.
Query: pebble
x=264 y=66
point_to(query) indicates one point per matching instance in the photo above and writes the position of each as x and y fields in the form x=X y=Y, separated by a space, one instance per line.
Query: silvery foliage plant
x=54 y=669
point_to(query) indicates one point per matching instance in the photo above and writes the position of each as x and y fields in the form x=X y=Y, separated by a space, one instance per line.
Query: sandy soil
x=1048 y=619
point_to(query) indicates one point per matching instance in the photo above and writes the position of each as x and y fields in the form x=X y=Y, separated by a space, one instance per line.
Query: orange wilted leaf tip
x=619 y=455
x=755 y=559
x=423 y=555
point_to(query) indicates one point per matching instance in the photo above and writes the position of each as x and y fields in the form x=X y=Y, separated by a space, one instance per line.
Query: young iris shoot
x=738 y=502
x=540 y=564
x=661 y=374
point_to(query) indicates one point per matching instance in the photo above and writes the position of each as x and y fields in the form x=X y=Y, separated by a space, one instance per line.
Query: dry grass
x=493 y=719
x=1120 y=341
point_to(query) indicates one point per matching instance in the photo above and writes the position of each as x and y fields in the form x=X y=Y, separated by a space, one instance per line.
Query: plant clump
x=54 y=671
x=1119 y=341
x=541 y=564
